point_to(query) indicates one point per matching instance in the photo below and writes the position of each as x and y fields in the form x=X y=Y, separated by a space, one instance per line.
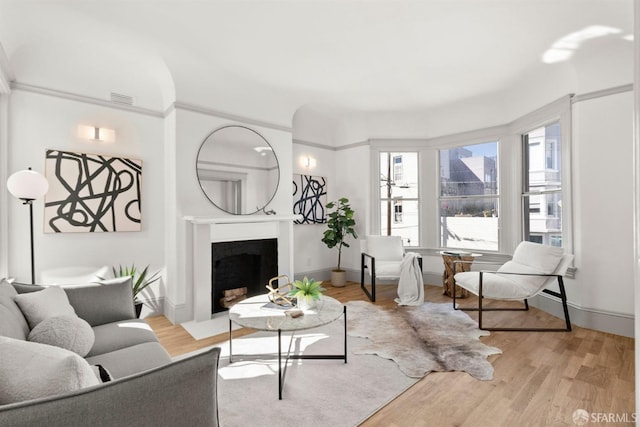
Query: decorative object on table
x=309 y=198
x=307 y=292
x=139 y=281
x=92 y=193
x=294 y=312
x=340 y=225
x=451 y=267
x=28 y=185
x=428 y=338
x=279 y=295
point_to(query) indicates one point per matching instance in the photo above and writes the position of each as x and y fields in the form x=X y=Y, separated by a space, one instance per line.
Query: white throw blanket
x=411 y=285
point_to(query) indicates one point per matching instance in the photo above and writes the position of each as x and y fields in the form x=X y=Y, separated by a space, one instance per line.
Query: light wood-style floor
x=540 y=379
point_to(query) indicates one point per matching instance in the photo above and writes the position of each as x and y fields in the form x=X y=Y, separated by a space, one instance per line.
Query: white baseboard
x=600 y=320
x=176 y=313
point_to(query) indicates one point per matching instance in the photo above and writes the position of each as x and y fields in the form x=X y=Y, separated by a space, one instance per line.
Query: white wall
x=311 y=255
x=39 y=122
x=603 y=202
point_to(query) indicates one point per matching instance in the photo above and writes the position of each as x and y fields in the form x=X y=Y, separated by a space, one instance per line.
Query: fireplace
x=241 y=264
x=205 y=231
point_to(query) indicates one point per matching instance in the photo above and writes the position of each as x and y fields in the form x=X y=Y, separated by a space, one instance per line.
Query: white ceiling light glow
x=564 y=48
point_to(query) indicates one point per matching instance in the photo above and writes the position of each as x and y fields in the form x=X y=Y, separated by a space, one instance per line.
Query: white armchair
x=533 y=268
x=381 y=259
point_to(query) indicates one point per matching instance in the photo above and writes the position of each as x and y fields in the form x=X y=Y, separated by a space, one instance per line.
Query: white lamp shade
x=27 y=184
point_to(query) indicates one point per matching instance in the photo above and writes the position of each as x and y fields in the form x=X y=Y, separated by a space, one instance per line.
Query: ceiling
x=386 y=55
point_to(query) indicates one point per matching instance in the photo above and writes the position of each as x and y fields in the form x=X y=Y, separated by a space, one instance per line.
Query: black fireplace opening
x=240 y=264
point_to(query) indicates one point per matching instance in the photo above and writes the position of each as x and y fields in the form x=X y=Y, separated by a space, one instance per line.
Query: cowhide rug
x=422 y=339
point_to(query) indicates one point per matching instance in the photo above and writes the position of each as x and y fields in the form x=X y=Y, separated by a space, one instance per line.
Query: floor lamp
x=28 y=185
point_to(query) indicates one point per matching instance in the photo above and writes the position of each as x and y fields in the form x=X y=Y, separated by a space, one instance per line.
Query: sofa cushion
x=117 y=335
x=7 y=289
x=49 y=302
x=131 y=360
x=12 y=322
x=105 y=302
x=31 y=370
x=68 y=332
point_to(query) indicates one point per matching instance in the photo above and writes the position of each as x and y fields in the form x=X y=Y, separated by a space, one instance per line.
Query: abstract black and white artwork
x=92 y=193
x=309 y=198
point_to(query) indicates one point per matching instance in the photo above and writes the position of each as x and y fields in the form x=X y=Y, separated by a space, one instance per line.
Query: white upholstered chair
x=381 y=259
x=532 y=269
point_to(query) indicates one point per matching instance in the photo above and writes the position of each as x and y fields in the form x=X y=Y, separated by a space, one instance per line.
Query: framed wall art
x=309 y=198
x=92 y=193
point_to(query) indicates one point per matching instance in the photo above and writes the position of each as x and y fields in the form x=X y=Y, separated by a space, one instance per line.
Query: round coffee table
x=252 y=313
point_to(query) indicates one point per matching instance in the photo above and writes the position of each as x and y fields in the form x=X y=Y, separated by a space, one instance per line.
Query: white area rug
x=326 y=393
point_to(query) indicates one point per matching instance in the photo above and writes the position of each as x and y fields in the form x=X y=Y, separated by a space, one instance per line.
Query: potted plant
x=139 y=281
x=340 y=225
x=307 y=292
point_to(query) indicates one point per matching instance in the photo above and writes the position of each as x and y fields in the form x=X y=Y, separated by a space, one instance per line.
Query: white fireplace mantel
x=209 y=229
x=239 y=219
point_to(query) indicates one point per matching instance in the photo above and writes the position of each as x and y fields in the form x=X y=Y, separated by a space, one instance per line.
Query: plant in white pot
x=340 y=226
x=307 y=292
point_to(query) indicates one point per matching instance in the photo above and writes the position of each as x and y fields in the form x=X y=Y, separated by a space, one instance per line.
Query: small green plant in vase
x=307 y=292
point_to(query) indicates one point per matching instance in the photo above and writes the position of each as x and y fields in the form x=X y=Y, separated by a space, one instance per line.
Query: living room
x=187 y=75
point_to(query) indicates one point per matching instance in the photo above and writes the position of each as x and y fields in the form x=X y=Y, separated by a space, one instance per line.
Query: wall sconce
x=307 y=162
x=28 y=185
x=96 y=134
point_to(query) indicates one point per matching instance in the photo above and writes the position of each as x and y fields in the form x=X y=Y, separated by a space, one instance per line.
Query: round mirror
x=237 y=170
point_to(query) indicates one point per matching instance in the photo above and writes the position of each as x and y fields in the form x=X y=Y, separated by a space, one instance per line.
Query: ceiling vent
x=118 y=98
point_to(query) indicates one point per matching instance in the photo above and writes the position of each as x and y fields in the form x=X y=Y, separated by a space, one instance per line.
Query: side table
x=448 y=281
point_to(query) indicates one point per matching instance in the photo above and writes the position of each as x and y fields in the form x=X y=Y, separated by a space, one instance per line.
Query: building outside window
x=542 y=185
x=469 y=197
x=399 y=213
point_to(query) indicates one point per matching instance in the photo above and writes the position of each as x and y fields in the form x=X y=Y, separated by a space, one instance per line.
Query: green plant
x=306 y=288
x=340 y=225
x=138 y=278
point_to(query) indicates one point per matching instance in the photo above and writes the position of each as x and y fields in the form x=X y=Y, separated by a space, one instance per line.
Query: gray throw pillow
x=7 y=289
x=68 y=332
x=49 y=302
x=31 y=370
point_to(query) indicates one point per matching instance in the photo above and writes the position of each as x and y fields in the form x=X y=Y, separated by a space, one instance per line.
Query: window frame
x=377 y=216
x=558 y=111
x=441 y=198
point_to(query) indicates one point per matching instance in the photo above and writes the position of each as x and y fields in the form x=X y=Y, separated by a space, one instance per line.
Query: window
x=469 y=197
x=542 y=185
x=399 y=215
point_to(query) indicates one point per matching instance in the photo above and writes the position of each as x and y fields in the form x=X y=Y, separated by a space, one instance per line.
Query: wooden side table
x=448 y=281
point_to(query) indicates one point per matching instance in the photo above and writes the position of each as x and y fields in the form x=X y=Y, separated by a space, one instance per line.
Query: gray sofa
x=125 y=378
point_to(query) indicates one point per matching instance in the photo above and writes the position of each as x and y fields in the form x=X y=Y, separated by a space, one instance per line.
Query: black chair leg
x=371 y=295
x=562 y=295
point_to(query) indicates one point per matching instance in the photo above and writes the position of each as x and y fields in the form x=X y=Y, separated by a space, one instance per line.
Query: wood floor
x=540 y=379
